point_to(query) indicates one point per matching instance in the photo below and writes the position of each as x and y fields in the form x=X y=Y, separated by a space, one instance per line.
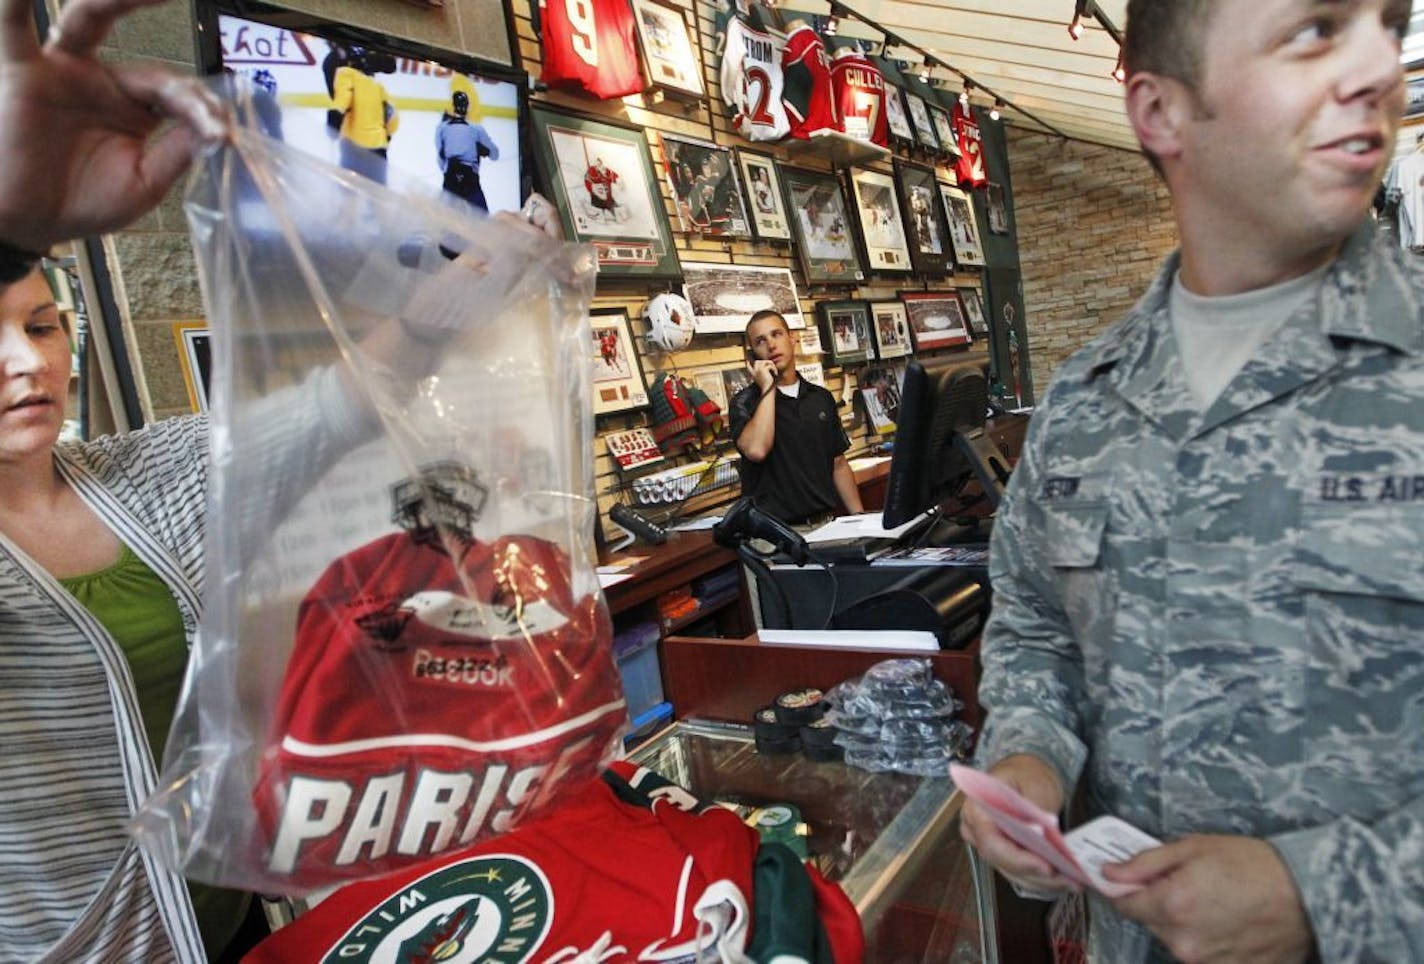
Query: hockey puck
x=819 y=733
x=769 y=747
x=800 y=706
x=765 y=726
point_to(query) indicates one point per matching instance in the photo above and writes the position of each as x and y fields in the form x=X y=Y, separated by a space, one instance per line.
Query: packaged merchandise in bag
x=403 y=647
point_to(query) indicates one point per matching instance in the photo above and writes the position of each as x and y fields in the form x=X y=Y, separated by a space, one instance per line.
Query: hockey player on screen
x=439 y=688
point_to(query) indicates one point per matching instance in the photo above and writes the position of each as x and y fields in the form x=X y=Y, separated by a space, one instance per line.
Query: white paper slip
x=866 y=526
x=1107 y=840
x=693 y=525
x=912 y=639
x=606 y=579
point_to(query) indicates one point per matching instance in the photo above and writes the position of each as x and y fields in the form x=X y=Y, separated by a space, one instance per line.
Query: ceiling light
x=925 y=70
x=1119 y=73
x=964 y=96
x=994 y=111
x=1075 y=26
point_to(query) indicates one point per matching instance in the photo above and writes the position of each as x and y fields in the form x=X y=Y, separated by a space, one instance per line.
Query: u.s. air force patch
x=492 y=909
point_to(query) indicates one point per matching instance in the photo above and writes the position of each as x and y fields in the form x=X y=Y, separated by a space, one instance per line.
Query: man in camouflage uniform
x=1208 y=572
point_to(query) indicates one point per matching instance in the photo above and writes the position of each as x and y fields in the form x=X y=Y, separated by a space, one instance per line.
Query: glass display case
x=890 y=840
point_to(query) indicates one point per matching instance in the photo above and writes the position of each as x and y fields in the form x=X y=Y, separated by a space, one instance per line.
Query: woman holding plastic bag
x=102 y=572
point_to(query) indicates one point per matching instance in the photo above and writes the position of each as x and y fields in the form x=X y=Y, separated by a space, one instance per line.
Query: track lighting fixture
x=994 y=112
x=1119 y=73
x=964 y=96
x=1075 y=26
x=833 y=21
x=925 y=70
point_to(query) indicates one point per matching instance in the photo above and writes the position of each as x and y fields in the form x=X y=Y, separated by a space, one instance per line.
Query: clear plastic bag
x=403 y=647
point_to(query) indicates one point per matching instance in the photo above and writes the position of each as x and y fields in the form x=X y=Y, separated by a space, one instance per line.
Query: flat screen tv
x=295 y=57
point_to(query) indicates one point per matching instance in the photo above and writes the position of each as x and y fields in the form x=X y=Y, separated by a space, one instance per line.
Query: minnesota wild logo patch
x=491 y=909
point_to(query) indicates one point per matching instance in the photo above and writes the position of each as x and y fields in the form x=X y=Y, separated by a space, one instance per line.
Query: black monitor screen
x=942 y=411
x=296 y=58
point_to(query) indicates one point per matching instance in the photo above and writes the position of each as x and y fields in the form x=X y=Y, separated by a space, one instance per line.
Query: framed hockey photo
x=600 y=175
x=996 y=209
x=895 y=117
x=725 y=296
x=845 y=331
x=881 y=226
x=974 y=312
x=963 y=228
x=944 y=130
x=618 y=384
x=704 y=186
x=765 y=197
x=879 y=387
x=670 y=61
x=925 y=225
x=920 y=117
x=820 y=219
x=936 y=319
x=712 y=385
x=891 y=327
x=195 y=359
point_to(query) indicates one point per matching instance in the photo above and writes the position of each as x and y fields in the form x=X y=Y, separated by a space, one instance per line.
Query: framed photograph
x=881 y=226
x=936 y=319
x=996 y=209
x=880 y=393
x=734 y=380
x=618 y=384
x=634 y=450
x=920 y=119
x=812 y=372
x=891 y=327
x=725 y=296
x=974 y=312
x=1414 y=97
x=704 y=187
x=600 y=175
x=821 y=223
x=846 y=331
x=711 y=385
x=765 y=198
x=669 y=55
x=895 y=116
x=925 y=225
x=195 y=359
x=963 y=228
x=944 y=130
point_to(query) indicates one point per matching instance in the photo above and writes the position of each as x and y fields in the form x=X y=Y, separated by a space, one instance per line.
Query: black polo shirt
x=794 y=483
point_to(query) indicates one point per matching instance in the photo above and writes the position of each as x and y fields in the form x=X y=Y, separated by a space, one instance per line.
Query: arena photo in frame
x=618 y=383
x=600 y=175
x=936 y=319
x=703 y=181
x=725 y=296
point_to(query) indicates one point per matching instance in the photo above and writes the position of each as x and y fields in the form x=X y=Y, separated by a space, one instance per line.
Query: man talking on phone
x=789 y=433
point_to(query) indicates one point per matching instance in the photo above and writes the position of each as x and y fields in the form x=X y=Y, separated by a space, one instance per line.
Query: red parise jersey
x=628 y=868
x=969 y=169
x=590 y=45
x=806 y=76
x=858 y=88
x=431 y=701
x=620 y=871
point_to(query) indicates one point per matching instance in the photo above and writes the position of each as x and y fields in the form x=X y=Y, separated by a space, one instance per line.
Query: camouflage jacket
x=1216 y=619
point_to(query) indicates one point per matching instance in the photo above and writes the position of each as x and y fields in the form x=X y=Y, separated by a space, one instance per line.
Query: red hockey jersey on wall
x=858 y=88
x=590 y=45
x=430 y=701
x=969 y=169
x=806 y=76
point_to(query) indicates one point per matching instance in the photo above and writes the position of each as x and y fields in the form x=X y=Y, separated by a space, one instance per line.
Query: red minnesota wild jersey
x=858 y=88
x=432 y=701
x=590 y=45
x=751 y=76
x=969 y=169
x=807 y=78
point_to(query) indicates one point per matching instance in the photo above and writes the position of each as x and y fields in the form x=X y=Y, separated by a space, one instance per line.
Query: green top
x=135 y=606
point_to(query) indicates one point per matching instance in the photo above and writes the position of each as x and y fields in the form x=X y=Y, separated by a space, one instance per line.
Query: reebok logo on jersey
x=494 y=907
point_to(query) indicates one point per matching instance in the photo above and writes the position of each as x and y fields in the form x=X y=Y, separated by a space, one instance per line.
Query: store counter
x=890 y=840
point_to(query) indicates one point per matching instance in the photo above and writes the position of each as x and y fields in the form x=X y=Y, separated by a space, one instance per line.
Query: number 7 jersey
x=751 y=72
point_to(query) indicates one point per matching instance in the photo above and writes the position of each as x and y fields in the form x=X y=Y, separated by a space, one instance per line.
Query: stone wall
x=1093 y=225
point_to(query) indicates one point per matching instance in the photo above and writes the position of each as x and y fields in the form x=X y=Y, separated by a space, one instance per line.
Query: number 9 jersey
x=589 y=45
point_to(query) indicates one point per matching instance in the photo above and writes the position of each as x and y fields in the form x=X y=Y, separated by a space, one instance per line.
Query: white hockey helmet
x=669 y=319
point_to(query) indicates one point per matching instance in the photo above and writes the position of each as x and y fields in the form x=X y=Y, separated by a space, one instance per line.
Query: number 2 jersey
x=629 y=868
x=751 y=75
x=590 y=45
x=431 y=700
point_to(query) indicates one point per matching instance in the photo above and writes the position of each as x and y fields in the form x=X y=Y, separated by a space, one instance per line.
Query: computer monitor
x=940 y=443
x=293 y=56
